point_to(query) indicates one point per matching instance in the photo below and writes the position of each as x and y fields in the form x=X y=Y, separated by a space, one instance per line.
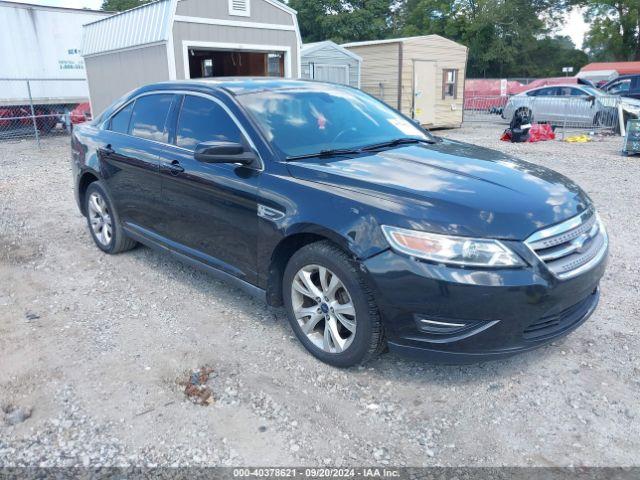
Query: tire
x=103 y=221
x=364 y=339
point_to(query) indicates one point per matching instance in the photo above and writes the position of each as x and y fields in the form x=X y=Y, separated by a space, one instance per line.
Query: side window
x=622 y=86
x=203 y=120
x=120 y=121
x=150 y=116
x=576 y=92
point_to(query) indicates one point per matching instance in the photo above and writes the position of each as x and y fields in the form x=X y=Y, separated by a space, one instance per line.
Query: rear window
x=150 y=117
x=120 y=121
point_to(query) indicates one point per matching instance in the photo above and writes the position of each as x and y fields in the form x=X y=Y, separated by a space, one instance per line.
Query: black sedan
x=372 y=233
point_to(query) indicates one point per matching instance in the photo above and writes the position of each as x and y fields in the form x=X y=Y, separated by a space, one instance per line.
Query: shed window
x=449 y=84
x=240 y=7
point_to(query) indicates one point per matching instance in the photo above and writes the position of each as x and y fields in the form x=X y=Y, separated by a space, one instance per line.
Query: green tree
x=343 y=21
x=615 y=29
x=122 y=5
x=506 y=38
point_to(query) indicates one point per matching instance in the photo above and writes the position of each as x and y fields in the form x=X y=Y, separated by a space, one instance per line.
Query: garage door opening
x=224 y=63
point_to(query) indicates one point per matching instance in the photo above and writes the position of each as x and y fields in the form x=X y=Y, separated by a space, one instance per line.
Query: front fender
x=345 y=217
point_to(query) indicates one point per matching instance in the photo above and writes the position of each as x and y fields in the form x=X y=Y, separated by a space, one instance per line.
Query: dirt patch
x=196 y=386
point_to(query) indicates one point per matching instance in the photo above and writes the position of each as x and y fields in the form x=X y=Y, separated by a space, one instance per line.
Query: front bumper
x=494 y=313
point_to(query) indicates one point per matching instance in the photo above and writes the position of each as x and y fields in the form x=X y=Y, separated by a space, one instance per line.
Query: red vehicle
x=81 y=114
x=17 y=118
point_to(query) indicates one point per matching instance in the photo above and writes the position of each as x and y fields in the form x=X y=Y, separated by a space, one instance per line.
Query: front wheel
x=330 y=307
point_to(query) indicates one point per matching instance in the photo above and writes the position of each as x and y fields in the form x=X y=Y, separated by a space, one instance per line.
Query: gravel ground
x=96 y=346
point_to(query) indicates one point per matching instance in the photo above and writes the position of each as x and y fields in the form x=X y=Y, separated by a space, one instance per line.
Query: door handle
x=174 y=167
x=108 y=150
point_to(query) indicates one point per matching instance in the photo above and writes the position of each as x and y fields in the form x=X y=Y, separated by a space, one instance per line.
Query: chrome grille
x=571 y=247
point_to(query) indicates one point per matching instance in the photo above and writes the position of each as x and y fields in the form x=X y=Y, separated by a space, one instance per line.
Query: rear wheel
x=104 y=223
x=330 y=307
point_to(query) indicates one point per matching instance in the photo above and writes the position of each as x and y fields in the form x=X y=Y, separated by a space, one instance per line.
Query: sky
x=575 y=26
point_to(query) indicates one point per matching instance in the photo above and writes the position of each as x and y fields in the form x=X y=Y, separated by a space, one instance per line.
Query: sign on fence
x=632 y=138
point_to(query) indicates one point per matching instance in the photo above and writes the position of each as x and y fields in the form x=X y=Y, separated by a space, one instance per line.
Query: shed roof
x=309 y=48
x=623 y=68
x=143 y=25
x=399 y=40
x=147 y=24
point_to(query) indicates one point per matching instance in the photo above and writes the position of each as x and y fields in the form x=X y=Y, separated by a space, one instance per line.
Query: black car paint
x=208 y=214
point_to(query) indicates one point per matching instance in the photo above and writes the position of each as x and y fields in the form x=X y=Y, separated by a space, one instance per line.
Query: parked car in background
x=368 y=229
x=81 y=114
x=625 y=86
x=573 y=105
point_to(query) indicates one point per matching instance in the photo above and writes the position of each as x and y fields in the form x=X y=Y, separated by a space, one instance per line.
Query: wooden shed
x=423 y=77
x=181 y=39
x=329 y=62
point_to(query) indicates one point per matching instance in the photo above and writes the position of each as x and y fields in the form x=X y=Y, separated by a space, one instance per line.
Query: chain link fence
x=36 y=108
x=601 y=113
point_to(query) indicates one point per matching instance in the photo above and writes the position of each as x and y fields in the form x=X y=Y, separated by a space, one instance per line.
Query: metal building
x=329 y=62
x=423 y=77
x=181 y=39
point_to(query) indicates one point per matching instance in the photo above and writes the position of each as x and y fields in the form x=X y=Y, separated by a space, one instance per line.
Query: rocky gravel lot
x=93 y=348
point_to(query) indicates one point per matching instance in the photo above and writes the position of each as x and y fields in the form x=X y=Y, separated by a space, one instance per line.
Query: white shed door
x=332 y=73
x=424 y=92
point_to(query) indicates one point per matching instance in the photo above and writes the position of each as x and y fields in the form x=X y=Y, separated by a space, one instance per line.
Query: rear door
x=210 y=210
x=129 y=154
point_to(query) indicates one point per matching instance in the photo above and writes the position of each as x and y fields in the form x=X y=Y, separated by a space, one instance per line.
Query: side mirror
x=223 y=152
x=590 y=98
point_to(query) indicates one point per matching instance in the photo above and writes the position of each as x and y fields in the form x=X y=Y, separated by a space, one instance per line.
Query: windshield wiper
x=325 y=153
x=396 y=142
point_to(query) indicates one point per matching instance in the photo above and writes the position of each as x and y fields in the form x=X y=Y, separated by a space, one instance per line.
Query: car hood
x=453 y=187
x=630 y=101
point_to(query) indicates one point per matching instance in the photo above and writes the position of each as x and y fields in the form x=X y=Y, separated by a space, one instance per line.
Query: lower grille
x=571 y=247
x=553 y=325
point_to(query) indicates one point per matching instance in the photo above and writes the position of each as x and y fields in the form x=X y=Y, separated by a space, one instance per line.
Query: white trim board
x=233 y=23
x=126 y=49
x=186 y=44
x=171 y=52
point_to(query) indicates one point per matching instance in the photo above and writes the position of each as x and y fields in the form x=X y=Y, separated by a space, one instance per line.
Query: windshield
x=320 y=117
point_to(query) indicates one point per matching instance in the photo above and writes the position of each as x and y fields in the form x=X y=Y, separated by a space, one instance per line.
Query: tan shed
x=423 y=77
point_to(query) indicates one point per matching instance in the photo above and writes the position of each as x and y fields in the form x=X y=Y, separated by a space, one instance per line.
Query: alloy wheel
x=100 y=219
x=323 y=308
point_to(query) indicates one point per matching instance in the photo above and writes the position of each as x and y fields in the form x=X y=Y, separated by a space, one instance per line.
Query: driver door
x=210 y=210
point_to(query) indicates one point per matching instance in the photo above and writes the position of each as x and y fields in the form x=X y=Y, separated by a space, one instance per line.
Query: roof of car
x=237 y=85
x=569 y=85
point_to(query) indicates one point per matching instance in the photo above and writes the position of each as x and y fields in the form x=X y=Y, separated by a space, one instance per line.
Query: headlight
x=461 y=251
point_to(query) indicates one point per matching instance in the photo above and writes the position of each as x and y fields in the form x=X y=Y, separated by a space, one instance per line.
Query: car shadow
x=386 y=366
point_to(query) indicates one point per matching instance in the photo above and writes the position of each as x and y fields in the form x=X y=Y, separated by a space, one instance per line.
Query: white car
x=571 y=105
